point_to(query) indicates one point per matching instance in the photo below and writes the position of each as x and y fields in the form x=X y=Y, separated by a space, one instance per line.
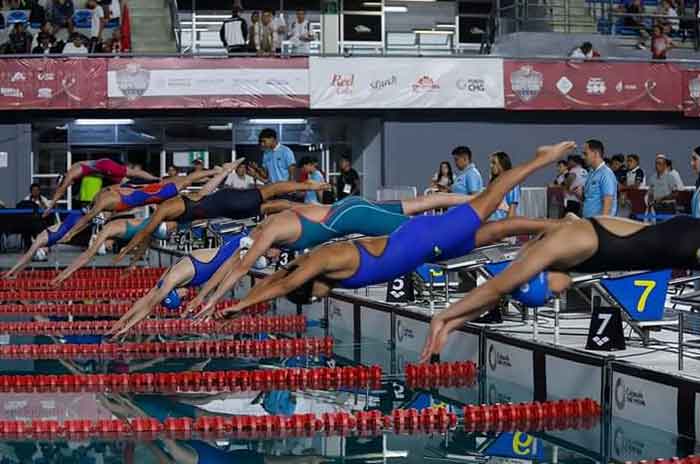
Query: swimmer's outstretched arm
x=110 y=230
x=41 y=240
x=100 y=204
x=215 y=181
x=537 y=258
x=210 y=286
x=283 y=188
x=424 y=203
x=73 y=174
x=136 y=173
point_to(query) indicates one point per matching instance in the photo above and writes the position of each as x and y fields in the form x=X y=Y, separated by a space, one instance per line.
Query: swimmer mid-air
x=363 y=262
x=599 y=244
x=105 y=167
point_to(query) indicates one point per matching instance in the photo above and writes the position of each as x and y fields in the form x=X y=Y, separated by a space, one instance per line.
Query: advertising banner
x=53 y=83
x=691 y=93
x=208 y=83
x=592 y=85
x=380 y=83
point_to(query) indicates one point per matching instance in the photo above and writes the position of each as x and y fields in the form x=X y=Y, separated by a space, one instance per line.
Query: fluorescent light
x=372 y=4
x=432 y=32
x=278 y=121
x=224 y=127
x=395 y=9
x=445 y=26
x=104 y=122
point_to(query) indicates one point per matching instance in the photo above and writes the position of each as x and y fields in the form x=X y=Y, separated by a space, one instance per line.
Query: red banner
x=209 y=83
x=691 y=93
x=592 y=85
x=55 y=83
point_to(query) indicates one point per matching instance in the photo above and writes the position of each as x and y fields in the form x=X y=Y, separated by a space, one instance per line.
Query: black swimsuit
x=670 y=244
x=225 y=203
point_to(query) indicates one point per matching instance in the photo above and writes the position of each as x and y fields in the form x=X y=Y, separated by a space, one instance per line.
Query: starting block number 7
x=648 y=286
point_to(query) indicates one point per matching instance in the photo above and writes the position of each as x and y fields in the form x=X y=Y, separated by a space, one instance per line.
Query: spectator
x=670 y=23
x=267 y=35
x=635 y=174
x=468 y=179
x=600 y=189
x=675 y=175
x=114 y=44
x=172 y=171
x=279 y=31
x=660 y=44
x=255 y=32
x=500 y=162
x=443 y=179
x=617 y=164
x=635 y=9
x=562 y=171
x=112 y=9
x=76 y=45
x=240 y=179
x=44 y=45
x=584 y=52
x=36 y=197
x=278 y=160
x=348 y=180
x=19 y=41
x=47 y=30
x=661 y=188
x=197 y=165
x=695 y=165
x=300 y=33
x=573 y=185
x=234 y=32
x=97 y=26
x=309 y=166
x=62 y=15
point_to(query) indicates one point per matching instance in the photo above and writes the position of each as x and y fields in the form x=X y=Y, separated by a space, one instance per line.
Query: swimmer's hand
x=551 y=153
x=230 y=167
x=9 y=275
x=57 y=281
x=437 y=338
x=227 y=313
x=205 y=313
x=192 y=306
x=131 y=249
x=135 y=315
x=318 y=186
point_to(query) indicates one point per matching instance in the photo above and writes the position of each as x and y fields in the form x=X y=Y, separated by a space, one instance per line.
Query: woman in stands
x=105 y=167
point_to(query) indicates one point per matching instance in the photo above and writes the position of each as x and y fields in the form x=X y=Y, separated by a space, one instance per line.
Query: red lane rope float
x=109 y=309
x=363 y=423
x=457 y=374
x=94 y=272
x=243 y=325
x=188 y=349
x=79 y=283
x=692 y=459
x=81 y=294
x=293 y=379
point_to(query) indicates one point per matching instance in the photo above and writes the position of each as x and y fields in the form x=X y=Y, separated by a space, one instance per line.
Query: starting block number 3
x=648 y=286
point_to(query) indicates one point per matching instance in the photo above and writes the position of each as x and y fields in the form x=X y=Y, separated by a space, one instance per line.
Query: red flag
x=126 y=29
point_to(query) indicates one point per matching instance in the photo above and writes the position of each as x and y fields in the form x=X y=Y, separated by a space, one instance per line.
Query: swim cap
x=535 y=292
x=172 y=300
x=246 y=243
x=261 y=263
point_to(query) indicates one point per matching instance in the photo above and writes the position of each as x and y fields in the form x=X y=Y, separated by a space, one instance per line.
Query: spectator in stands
x=114 y=44
x=44 y=46
x=46 y=30
x=635 y=9
x=617 y=164
x=279 y=31
x=61 y=15
x=600 y=189
x=267 y=34
x=443 y=179
x=695 y=166
x=112 y=9
x=500 y=162
x=279 y=164
x=19 y=41
x=300 y=33
x=635 y=174
x=562 y=171
x=309 y=166
x=675 y=175
x=76 y=46
x=255 y=32
x=670 y=23
x=348 y=180
x=234 y=32
x=240 y=179
x=97 y=25
x=660 y=44
x=468 y=179
x=36 y=197
x=662 y=188
x=584 y=52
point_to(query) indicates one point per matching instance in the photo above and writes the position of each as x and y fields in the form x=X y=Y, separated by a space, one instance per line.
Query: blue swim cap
x=172 y=301
x=535 y=292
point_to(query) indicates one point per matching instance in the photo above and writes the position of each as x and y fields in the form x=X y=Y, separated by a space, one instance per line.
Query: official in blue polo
x=600 y=190
x=467 y=178
x=278 y=160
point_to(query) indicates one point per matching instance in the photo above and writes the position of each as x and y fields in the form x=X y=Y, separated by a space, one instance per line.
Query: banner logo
x=425 y=84
x=472 y=85
x=596 y=86
x=380 y=84
x=403 y=333
x=625 y=394
x=498 y=359
x=343 y=83
x=526 y=83
x=564 y=85
x=133 y=81
x=625 y=446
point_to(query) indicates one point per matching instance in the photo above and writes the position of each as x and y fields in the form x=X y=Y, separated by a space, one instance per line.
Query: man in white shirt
x=36 y=197
x=97 y=25
x=75 y=46
x=574 y=182
x=239 y=179
x=279 y=32
x=300 y=33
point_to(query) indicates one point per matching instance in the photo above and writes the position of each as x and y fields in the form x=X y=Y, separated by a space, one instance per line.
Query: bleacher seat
x=17 y=16
x=82 y=19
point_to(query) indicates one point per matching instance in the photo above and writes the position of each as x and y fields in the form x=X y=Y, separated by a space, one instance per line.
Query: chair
x=82 y=19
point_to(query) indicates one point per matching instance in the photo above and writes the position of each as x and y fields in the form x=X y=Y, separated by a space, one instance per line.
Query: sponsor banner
x=338 y=83
x=208 y=83
x=691 y=93
x=581 y=380
x=55 y=83
x=410 y=337
x=636 y=400
x=341 y=322
x=461 y=346
x=510 y=363
x=592 y=85
x=635 y=442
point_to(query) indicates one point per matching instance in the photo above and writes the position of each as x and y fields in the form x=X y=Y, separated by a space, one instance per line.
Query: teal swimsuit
x=161 y=233
x=351 y=215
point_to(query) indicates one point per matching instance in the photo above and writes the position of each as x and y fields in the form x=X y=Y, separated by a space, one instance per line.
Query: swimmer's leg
x=283 y=188
x=41 y=240
x=425 y=203
x=496 y=231
x=74 y=173
x=103 y=201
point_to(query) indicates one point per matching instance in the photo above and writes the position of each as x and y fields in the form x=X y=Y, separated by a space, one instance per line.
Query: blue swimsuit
x=71 y=220
x=420 y=240
x=203 y=271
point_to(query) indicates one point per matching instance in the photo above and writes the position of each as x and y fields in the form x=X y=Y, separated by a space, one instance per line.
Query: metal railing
x=175 y=24
x=688 y=323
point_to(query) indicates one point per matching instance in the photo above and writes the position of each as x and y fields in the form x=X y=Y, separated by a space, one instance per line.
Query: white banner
x=406 y=83
x=637 y=400
x=510 y=363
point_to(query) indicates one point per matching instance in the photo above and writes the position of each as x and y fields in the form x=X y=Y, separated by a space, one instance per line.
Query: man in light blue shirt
x=600 y=190
x=467 y=178
x=278 y=160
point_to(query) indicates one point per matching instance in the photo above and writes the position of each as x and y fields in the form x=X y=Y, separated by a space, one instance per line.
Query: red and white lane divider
x=108 y=309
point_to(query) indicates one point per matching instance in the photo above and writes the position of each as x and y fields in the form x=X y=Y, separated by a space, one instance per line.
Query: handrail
x=175 y=23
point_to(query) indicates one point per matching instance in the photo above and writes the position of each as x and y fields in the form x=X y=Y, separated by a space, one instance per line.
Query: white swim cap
x=261 y=263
